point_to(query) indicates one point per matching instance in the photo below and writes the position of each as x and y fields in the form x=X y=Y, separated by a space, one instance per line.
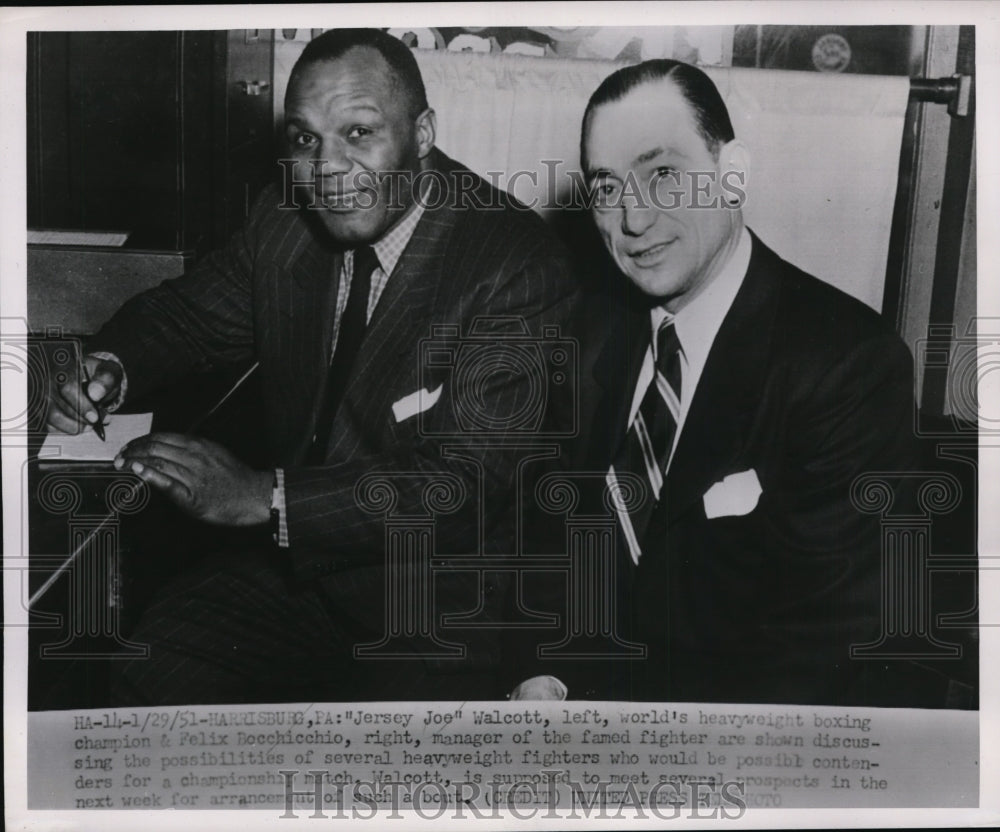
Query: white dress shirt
x=696 y=324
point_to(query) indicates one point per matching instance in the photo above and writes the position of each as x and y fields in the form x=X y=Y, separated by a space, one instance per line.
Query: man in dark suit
x=333 y=299
x=740 y=400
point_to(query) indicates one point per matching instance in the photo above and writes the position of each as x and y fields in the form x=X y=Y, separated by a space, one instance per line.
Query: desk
x=79 y=287
x=131 y=543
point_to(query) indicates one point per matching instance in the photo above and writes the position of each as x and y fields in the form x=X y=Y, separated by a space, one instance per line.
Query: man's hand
x=539 y=688
x=201 y=477
x=71 y=407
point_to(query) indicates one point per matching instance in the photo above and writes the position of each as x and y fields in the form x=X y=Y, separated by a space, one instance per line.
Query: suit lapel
x=409 y=294
x=729 y=392
x=312 y=297
x=308 y=305
x=616 y=371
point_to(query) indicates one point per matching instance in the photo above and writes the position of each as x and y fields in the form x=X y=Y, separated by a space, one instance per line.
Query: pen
x=99 y=424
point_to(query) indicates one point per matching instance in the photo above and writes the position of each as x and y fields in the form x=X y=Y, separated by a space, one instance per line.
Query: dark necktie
x=646 y=449
x=349 y=337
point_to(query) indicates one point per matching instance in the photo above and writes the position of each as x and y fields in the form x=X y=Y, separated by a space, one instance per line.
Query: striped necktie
x=650 y=438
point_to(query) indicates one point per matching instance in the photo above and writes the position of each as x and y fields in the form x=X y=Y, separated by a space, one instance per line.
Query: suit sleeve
x=820 y=554
x=198 y=322
x=324 y=512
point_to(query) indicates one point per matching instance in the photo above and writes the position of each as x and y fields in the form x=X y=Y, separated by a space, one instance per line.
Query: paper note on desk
x=55 y=236
x=87 y=446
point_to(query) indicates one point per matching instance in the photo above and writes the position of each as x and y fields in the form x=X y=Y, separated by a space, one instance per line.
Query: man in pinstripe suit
x=280 y=624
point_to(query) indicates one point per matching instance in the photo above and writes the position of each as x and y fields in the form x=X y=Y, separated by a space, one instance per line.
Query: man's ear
x=426 y=125
x=734 y=172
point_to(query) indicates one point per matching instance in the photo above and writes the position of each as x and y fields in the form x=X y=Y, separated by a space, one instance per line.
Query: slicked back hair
x=710 y=114
x=336 y=42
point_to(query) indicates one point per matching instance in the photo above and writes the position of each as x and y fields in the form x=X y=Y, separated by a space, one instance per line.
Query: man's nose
x=331 y=160
x=637 y=218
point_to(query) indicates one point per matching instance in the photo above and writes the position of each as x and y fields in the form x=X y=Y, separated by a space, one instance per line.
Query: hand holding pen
x=81 y=398
x=98 y=425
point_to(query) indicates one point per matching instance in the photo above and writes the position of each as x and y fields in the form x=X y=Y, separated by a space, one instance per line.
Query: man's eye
x=359 y=132
x=607 y=194
x=664 y=172
x=303 y=140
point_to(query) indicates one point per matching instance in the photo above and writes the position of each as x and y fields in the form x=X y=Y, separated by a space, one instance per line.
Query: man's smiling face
x=665 y=240
x=354 y=137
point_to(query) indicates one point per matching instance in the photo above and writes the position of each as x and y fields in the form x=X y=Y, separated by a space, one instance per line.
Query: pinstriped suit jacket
x=270 y=296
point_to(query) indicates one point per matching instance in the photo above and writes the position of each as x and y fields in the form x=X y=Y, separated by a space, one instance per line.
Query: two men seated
x=729 y=402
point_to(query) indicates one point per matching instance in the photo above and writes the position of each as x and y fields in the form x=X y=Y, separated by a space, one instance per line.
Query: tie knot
x=667 y=343
x=365 y=261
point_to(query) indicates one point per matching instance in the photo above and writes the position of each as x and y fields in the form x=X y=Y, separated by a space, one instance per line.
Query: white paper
x=119 y=429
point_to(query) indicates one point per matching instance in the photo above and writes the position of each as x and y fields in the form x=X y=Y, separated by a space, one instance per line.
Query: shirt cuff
x=122 y=388
x=279 y=517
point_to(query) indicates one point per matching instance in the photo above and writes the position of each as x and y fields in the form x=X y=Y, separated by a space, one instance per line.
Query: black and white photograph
x=582 y=418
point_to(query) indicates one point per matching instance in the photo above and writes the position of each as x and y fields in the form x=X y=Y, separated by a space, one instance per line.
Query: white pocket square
x=417 y=402
x=733 y=496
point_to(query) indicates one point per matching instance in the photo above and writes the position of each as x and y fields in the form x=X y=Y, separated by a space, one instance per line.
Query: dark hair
x=710 y=113
x=336 y=42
